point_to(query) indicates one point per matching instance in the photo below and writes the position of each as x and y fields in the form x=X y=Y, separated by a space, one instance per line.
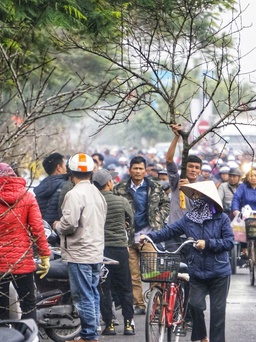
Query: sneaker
x=139 y=311
x=114 y=320
x=189 y=325
x=109 y=330
x=129 y=327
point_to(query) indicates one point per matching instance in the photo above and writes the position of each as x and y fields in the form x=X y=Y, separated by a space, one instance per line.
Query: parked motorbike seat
x=58 y=269
x=8 y=334
x=48 y=294
x=18 y=330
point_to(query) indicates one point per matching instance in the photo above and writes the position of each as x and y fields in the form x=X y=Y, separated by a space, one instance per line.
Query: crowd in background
x=139 y=176
x=215 y=164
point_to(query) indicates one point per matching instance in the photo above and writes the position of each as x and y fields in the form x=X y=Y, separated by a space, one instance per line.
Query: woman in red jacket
x=21 y=226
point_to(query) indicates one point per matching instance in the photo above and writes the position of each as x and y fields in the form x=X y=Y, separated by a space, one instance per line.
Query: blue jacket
x=47 y=196
x=213 y=261
x=244 y=195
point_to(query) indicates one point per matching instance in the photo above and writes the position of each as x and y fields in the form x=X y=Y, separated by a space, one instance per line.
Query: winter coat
x=118 y=213
x=47 y=195
x=81 y=227
x=226 y=192
x=158 y=202
x=244 y=195
x=176 y=213
x=21 y=226
x=211 y=262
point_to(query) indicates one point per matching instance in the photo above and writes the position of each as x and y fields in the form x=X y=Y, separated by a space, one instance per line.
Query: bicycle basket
x=250 y=227
x=159 y=267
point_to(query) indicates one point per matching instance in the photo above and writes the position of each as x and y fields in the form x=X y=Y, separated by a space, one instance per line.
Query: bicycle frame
x=174 y=296
x=165 y=311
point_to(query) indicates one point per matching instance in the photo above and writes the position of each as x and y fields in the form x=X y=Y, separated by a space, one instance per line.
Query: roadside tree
x=163 y=56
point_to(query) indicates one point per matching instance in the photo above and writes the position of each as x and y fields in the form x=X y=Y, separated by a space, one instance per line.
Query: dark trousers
x=25 y=287
x=119 y=281
x=217 y=289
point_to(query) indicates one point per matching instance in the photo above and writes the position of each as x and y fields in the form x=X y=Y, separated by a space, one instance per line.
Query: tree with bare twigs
x=161 y=57
x=164 y=56
x=41 y=91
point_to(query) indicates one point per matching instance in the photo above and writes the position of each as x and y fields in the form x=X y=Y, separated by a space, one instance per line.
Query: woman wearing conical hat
x=208 y=262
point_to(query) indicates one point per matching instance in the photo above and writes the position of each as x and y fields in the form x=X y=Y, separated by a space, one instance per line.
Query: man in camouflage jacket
x=151 y=206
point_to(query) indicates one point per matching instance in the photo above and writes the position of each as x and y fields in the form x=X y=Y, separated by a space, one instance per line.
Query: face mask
x=198 y=202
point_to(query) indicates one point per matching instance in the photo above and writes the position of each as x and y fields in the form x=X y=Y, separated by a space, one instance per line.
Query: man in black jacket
x=119 y=215
x=48 y=191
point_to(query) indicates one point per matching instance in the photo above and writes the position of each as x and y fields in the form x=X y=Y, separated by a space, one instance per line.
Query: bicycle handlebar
x=187 y=242
x=108 y=261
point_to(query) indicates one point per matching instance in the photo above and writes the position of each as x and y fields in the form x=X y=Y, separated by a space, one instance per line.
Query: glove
x=45 y=266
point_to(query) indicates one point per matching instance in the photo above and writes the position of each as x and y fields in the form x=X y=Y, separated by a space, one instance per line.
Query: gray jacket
x=81 y=227
x=176 y=213
x=226 y=192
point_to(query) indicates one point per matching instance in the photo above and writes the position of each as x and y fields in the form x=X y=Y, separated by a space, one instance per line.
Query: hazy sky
x=248 y=35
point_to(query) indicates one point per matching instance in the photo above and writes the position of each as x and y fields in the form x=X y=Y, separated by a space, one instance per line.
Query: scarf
x=202 y=210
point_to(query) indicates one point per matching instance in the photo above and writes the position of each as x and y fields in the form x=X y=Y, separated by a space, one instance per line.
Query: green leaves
x=72 y=11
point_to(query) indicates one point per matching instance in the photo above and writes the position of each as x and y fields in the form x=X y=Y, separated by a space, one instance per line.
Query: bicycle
x=166 y=307
x=250 y=227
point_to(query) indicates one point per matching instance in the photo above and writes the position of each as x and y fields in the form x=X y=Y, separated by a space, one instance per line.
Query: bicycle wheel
x=146 y=295
x=155 y=317
x=233 y=259
x=252 y=274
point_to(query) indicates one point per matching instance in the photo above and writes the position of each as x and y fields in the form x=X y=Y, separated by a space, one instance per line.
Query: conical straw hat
x=207 y=188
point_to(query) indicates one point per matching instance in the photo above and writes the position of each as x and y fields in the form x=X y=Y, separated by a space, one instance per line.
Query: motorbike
x=56 y=313
x=19 y=330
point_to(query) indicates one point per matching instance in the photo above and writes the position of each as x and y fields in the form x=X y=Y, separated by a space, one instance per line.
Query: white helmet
x=81 y=162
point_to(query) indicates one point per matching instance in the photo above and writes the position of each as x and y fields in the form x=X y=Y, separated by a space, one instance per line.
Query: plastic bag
x=238 y=226
x=246 y=211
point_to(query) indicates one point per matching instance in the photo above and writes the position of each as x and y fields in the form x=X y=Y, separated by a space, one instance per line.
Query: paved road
x=240 y=322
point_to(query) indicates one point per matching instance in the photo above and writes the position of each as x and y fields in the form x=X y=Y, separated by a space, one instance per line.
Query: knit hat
x=206 y=188
x=162 y=172
x=206 y=167
x=103 y=176
x=6 y=170
x=232 y=164
x=235 y=172
x=111 y=167
x=224 y=169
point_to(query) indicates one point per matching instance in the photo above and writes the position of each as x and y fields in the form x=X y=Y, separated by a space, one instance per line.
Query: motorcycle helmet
x=81 y=162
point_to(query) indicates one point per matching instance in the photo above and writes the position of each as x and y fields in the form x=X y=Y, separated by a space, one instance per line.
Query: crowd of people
x=104 y=204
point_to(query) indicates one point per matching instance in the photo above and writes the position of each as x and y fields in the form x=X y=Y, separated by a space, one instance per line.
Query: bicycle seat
x=183 y=268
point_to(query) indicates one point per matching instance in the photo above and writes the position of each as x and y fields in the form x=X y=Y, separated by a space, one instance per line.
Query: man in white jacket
x=81 y=230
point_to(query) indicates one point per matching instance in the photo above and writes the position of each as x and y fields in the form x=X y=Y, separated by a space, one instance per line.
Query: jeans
x=217 y=288
x=25 y=288
x=84 y=279
x=119 y=281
